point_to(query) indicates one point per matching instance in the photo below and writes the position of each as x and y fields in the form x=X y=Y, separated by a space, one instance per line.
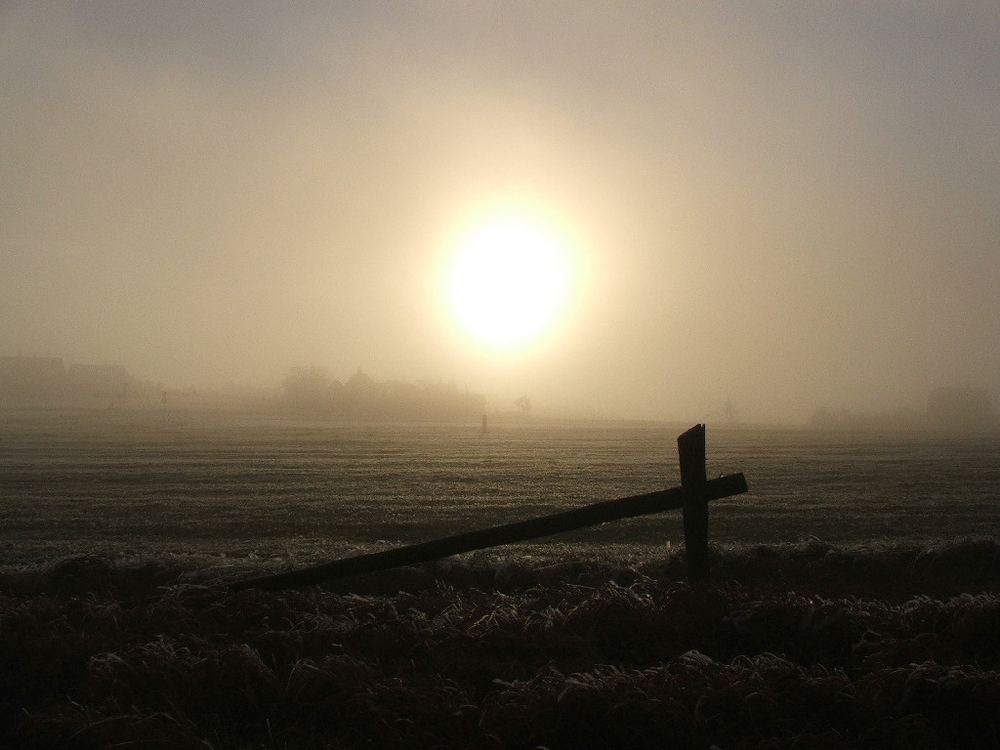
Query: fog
x=782 y=205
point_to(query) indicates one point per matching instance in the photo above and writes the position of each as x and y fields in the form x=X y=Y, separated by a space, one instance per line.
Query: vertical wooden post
x=691 y=449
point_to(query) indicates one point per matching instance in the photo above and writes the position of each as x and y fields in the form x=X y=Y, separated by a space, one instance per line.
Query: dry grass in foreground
x=804 y=646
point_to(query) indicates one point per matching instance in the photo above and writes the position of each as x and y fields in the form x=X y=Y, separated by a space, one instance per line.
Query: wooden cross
x=692 y=496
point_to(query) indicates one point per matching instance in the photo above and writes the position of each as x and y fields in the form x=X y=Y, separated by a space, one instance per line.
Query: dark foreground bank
x=806 y=645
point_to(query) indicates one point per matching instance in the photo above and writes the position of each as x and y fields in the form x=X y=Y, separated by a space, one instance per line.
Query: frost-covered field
x=787 y=646
x=149 y=483
x=835 y=617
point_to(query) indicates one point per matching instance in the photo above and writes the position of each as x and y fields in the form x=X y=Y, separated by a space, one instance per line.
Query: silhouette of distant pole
x=484 y=424
x=691 y=449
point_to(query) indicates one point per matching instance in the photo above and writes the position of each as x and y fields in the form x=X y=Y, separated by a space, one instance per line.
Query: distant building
x=960 y=409
x=32 y=378
x=36 y=381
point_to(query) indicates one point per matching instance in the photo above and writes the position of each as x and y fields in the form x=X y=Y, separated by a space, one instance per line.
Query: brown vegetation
x=802 y=645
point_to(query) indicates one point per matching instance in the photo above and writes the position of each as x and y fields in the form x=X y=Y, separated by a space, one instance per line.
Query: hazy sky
x=788 y=205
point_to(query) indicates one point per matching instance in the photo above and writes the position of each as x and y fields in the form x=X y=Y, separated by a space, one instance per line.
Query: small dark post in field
x=694 y=477
x=693 y=495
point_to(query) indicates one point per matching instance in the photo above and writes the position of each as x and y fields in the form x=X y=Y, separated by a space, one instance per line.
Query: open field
x=789 y=646
x=292 y=490
x=836 y=616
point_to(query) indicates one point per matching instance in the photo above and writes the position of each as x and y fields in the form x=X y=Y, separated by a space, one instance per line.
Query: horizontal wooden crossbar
x=588 y=515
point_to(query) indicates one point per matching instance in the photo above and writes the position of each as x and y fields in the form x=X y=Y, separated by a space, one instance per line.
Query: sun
x=509 y=279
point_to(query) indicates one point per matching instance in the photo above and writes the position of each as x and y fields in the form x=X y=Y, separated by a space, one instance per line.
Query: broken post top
x=691 y=452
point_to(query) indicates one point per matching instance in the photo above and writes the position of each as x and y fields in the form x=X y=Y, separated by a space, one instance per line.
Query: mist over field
x=349 y=353
x=783 y=206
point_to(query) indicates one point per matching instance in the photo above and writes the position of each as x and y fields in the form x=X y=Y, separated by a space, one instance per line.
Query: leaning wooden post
x=693 y=496
x=691 y=449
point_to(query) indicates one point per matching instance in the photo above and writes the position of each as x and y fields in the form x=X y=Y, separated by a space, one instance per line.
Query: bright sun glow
x=509 y=279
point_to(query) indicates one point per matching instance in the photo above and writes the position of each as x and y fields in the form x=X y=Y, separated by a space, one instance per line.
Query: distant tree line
x=956 y=409
x=846 y=419
x=313 y=390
